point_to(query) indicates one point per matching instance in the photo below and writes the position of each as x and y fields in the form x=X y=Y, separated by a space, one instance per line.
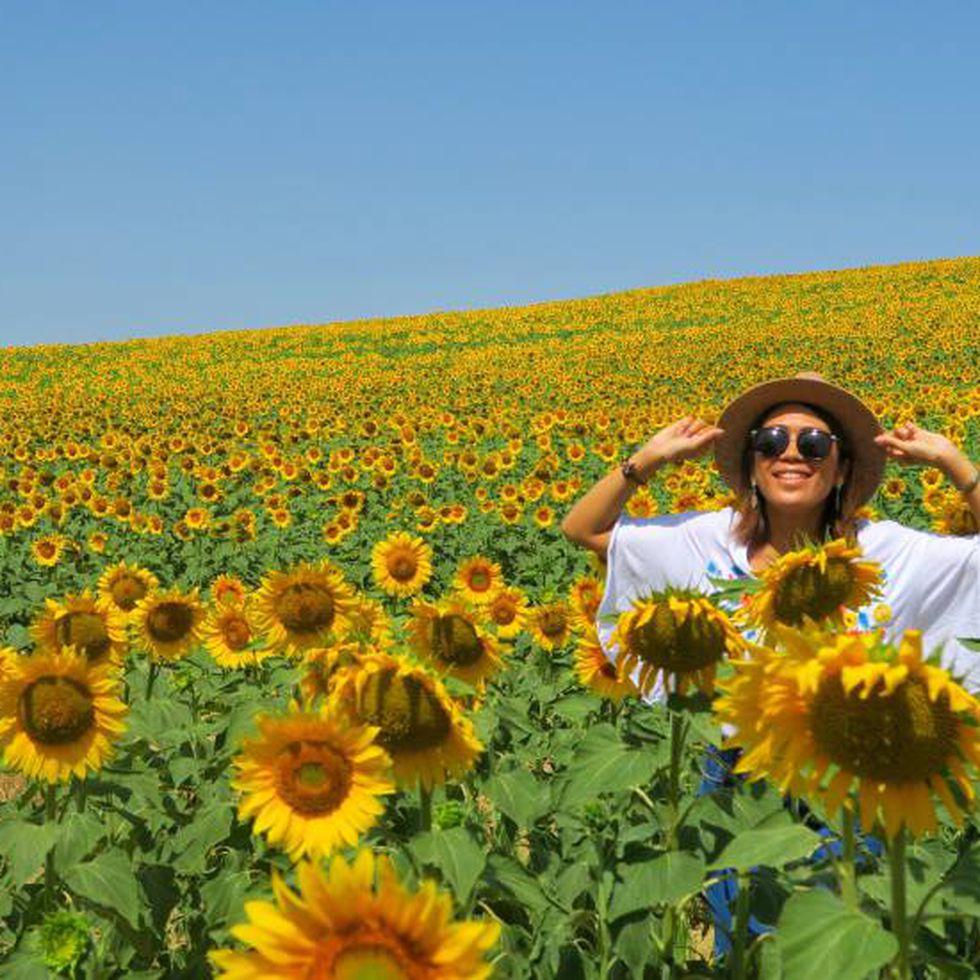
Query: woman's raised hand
x=908 y=443
x=686 y=438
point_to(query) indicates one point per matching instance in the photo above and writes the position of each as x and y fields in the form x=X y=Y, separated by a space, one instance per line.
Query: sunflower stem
x=151 y=679
x=845 y=868
x=425 y=808
x=81 y=794
x=678 y=733
x=900 y=923
x=50 y=816
x=739 y=960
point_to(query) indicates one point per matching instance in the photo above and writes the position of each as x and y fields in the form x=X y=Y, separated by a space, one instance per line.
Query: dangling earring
x=754 y=501
x=837 y=501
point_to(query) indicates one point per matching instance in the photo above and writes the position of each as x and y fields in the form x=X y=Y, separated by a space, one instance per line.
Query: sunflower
x=322 y=665
x=422 y=728
x=674 y=635
x=818 y=582
x=354 y=921
x=228 y=633
x=550 y=624
x=298 y=608
x=59 y=713
x=832 y=714
x=48 y=549
x=228 y=588
x=401 y=564
x=124 y=585
x=367 y=623
x=478 y=579
x=584 y=596
x=508 y=611
x=448 y=634
x=168 y=624
x=91 y=625
x=594 y=670
x=312 y=780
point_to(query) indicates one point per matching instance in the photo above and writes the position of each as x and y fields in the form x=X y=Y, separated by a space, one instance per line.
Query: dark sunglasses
x=812 y=444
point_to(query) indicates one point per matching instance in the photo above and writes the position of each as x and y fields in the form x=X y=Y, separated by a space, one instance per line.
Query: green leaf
x=108 y=881
x=455 y=854
x=519 y=795
x=224 y=897
x=604 y=763
x=773 y=844
x=510 y=876
x=632 y=945
x=819 y=937
x=665 y=879
x=78 y=835
x=25 y=846
x=192 y=843
x=971 y=643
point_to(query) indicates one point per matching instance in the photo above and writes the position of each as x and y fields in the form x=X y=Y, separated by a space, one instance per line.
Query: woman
x=802 y=456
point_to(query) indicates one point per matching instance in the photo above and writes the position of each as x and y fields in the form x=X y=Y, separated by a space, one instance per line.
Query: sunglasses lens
x=770 y=442
x=814 y=444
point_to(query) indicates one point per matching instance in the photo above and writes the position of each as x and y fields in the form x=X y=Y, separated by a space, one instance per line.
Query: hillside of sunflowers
x=300 y=676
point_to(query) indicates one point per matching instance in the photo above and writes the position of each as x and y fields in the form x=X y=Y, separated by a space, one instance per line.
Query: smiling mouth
x=791 y=477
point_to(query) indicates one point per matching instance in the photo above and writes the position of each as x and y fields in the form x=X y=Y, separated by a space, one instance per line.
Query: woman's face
x=789 y=482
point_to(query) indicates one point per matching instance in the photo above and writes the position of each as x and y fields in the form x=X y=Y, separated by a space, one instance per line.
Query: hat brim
x=857 y=422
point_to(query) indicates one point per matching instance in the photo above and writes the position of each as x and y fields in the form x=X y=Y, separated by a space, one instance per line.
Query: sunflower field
x=300 y=678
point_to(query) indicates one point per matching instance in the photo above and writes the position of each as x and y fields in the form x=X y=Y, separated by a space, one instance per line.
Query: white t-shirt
x=931 y=582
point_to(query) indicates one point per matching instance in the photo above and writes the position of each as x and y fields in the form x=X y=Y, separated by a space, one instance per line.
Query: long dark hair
x=752 y=525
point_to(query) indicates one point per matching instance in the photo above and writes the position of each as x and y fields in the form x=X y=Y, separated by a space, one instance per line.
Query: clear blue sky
x=175 y=167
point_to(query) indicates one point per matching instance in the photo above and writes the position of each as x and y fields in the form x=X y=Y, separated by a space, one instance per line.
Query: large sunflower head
x=478 y=579
x=422 y=728
x=59 y=713
x=297 y=609
x=357 y=921
x=229 y=634
x=676 y=635
x=829 y=714
x=312 y=780
x=817 y=582
x=449 y=635
x=401 y=564
x=168 y=624
x=596 y=672
x=93 y=626
x=124 y=585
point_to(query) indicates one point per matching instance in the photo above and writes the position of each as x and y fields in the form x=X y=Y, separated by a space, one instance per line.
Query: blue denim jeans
x=721 y=895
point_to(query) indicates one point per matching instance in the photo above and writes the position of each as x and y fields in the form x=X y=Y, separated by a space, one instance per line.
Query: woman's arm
x=590 y=521
x=910 y=444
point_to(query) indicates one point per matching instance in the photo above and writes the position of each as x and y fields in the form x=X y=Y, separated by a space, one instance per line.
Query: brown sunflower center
x=454 y=640
x=305 y=607
x=896 y=738
x=169 y=622
x=479 y=580
x=402 y=566
x=678 y=647
x=126 y=591
x=313 y=778
x=86 y=631
x=410 y=716
x=235 y=633
x=374 y=957
x=552 y=622
x=503 y=612
x=56 y=710
x=808 y=591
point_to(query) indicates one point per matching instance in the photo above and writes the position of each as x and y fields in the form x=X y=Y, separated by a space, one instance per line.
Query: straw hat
x=856 y=422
